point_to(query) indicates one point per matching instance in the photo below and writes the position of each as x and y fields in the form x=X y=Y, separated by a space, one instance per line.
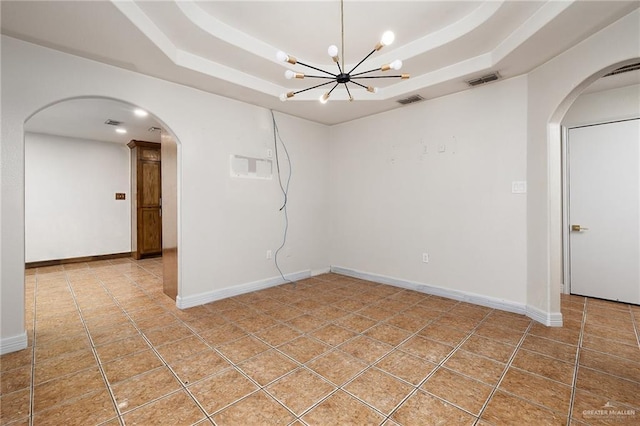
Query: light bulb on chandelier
x=387 y=38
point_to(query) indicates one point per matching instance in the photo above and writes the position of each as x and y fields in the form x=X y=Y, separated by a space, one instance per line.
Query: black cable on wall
x=285 y=191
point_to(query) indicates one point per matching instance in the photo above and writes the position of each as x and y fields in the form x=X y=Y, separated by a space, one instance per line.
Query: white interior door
x=604 y=210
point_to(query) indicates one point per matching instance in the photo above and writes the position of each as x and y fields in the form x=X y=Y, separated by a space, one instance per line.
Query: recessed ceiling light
x=140 y=112
x=121 y=130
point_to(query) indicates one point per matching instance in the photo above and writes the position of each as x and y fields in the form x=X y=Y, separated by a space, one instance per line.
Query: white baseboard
x=212 y=296
x=550 y=319
x=13 y=343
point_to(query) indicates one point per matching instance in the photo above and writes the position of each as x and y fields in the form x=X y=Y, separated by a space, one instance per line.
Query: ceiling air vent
x=626 y=68
x=111 y=122
x=411 y=99
x=484 y=79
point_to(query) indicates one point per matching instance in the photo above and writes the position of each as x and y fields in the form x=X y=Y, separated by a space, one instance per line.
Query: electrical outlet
x=425 y=257
x=269 y=153
x=121 y=196
x=269 y=254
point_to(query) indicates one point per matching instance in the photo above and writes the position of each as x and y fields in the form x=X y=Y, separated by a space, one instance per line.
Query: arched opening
x=558 y=226
x=80 y=202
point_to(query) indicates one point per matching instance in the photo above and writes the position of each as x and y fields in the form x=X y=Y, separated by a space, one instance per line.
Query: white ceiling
x=228 y=47
x=85 y=119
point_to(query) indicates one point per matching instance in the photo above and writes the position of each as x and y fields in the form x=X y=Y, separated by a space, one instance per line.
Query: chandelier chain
x=342 y=29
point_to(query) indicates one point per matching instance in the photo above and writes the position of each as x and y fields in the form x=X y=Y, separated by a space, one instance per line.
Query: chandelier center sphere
x=343 y=78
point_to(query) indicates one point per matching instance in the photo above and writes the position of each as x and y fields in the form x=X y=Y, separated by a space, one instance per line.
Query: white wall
x=70 y=205
x=396 y=196
x=226 y=224
x=604 y=106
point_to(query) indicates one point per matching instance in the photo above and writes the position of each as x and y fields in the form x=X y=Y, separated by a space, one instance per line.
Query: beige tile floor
x=107 y=347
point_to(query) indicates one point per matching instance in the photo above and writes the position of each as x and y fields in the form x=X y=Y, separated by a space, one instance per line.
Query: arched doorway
x=78 y=192
x=600 y=165
x=556 y=223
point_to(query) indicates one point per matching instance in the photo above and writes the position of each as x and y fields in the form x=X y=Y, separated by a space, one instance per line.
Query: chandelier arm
x=364 y=72
x=361 y=85
x=314 y=87
x=317 y=69
x=348 y=92
x=319 y=76
x=363 y=59
x=333 y=88
x=378 y=76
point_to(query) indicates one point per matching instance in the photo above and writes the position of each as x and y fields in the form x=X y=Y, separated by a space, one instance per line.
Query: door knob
x=578 y=228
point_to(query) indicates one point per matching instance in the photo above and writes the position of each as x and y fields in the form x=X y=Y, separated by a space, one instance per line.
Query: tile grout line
x=432 y=372
x=125 y=312
x=441 y=363
x=153 y=348
x=386 y=417
x=62 y=275
x=636 y=327
x=299 y=365
x=234 y=365
x=396 y=347
x=305 y=367
x=574 y=380
x=506 y=369
x=237 y=368
x=33 y=354
x=93 y=348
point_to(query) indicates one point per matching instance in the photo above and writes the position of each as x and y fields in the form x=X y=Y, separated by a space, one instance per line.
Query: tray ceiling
x=228 y=47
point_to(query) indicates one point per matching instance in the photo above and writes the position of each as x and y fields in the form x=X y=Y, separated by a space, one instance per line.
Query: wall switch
x=425 y=257
x=121 y=196
x=442 y=147
x=269 y=254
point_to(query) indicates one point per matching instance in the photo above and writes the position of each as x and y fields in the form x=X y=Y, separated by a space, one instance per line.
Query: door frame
x=566 y=247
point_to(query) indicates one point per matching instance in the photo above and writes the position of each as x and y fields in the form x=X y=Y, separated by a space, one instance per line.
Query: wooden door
x=149 y=207
x=148 y=177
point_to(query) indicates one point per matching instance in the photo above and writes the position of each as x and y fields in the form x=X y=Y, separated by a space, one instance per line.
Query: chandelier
x=342 y=77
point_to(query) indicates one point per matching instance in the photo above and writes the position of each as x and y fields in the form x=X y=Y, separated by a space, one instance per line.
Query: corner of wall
x=212 y=296
x=13 y=343
x=550 y=319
